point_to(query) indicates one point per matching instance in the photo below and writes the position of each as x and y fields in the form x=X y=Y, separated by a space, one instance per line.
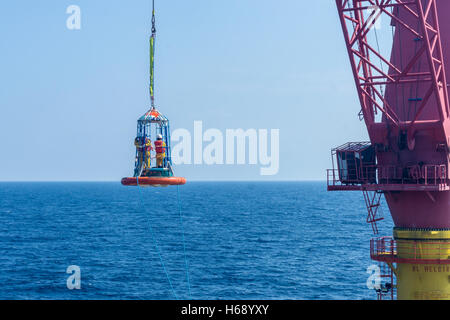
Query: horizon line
x=118 y=181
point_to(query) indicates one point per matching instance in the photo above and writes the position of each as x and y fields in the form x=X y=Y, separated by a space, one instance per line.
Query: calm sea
x=243 y=240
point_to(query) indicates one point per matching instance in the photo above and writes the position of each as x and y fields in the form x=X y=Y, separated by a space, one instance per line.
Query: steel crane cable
x=394 y=55
x=375 y=15
x=418 y=70
x=381 y=61
x=361 y=113
x=419 y=64
x=155 y=243
x=394 y=63
x=153 y=18
x=152 y=57
x=401 y=63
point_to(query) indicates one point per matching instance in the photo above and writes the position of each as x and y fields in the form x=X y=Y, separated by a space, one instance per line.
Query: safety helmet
x=159 y=136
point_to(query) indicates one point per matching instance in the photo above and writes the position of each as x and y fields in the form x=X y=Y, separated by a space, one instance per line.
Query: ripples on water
x=243 y=241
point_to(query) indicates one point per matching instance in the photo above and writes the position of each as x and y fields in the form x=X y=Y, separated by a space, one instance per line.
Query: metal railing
x=430 y=175
x=387 y=249
x=344 y=177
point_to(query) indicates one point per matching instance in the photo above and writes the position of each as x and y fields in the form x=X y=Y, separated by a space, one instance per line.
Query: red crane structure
x=403 y=92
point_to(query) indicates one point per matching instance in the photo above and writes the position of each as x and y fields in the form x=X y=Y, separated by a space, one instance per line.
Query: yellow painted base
x=416 y=281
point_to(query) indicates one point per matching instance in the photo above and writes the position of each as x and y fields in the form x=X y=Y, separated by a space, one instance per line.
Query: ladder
x=373 y=204
x=387 y=288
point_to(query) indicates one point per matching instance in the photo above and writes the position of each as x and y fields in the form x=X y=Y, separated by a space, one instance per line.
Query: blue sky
x=69 y=99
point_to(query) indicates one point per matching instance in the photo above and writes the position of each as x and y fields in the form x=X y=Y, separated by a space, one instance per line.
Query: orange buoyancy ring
x=153 y=181
x=160 y=146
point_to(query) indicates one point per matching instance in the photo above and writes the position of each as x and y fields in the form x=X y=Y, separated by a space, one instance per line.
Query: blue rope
x=184 y=242
x=159 y=254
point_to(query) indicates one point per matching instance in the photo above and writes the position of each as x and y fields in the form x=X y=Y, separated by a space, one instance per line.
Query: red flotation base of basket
x=153 y=181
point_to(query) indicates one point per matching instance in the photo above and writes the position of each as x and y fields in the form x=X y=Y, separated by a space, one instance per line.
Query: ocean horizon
x=242 y=240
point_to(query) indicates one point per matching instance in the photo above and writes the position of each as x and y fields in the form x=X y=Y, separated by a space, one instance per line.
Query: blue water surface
x=243 y=240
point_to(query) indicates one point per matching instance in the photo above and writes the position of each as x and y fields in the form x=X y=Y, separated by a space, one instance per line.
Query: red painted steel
x=405 y=106
x=416 y=22
x=373 y=204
